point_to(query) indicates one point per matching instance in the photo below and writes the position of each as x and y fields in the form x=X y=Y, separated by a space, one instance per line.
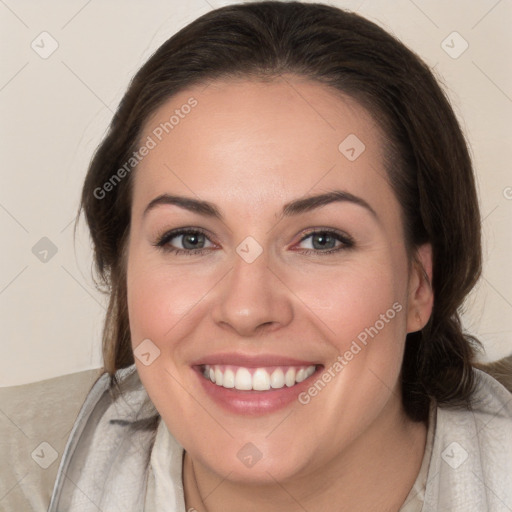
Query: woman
x=284 y=213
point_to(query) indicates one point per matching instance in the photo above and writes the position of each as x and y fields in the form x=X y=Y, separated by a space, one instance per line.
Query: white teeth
x=243 y=380
x=289 y=377
x=261 y=380
x=309 y=371
x=277 y=379
x=301 y=375
x=257 y=379
x=229 y=379
x=218 y=377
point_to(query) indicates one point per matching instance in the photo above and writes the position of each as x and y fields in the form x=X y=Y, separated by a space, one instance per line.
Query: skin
x=249 y=148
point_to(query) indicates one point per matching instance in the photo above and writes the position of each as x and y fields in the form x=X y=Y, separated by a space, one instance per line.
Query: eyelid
x=168 y=234
x=345 y=237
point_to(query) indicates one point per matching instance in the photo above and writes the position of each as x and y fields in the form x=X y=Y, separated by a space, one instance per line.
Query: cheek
x=161 y=302
x=353 y=300
x=159 y=298
x=362 y=308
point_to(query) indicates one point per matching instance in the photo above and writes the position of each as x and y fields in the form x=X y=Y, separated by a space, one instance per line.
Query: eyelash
x=163 y=240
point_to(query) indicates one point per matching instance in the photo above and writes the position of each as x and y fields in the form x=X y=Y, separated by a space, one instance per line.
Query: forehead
x=256 y=137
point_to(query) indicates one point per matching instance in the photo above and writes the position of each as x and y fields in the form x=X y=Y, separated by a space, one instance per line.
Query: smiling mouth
x=256 y=379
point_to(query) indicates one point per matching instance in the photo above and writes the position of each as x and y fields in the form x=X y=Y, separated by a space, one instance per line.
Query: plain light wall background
x=55 y=110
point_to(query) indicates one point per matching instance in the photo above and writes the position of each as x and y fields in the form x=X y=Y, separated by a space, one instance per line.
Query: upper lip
x=251 y=361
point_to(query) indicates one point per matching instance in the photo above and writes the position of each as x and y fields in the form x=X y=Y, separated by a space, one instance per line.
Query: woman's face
x=270 y=286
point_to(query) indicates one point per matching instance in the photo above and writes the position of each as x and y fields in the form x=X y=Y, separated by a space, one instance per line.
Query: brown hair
x=427 y=162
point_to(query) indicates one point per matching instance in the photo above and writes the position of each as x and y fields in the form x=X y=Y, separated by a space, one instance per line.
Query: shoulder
x=491 y=398
x=35 y=420
x=108 y=447
x=471 y=464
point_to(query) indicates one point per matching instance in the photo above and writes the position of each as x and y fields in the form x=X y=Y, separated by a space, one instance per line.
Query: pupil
x=323 y=241
x=191 y=241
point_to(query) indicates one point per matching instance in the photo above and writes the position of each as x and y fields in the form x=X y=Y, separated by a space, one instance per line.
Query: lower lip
x=253 y=402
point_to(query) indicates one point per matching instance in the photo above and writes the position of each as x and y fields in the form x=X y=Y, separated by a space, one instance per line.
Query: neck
x=375 y=473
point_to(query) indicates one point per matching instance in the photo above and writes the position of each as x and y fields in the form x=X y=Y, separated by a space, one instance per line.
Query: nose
x=252 y=299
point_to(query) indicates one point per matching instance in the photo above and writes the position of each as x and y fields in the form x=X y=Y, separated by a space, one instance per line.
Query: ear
x=421 y=295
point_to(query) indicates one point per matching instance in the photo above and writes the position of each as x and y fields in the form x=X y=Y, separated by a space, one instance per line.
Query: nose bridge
x=251 y=295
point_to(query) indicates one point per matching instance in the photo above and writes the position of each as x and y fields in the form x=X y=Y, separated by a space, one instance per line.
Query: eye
x=326 y=241
x=193 y=241
x=184 y=241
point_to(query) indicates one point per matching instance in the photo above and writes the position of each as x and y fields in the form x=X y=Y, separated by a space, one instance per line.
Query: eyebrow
x=295 y=207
